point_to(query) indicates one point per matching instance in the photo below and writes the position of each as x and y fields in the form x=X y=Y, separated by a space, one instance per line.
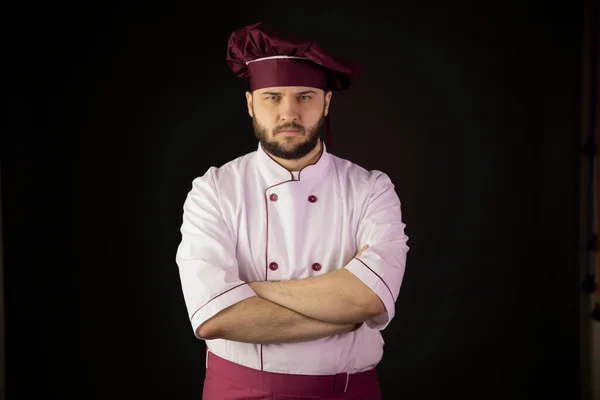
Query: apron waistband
x=307 y=385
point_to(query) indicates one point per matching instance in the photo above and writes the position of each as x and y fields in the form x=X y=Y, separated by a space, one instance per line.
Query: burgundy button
x=312 y=199
x=316 y=266
x=273 y=266
x=273 y=197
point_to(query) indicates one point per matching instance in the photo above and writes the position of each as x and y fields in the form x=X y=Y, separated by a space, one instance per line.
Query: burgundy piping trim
x=299 y=172
x=221 y=294
x=267 y=248
x=386 y=285
x=267 y=222
x=261 y=359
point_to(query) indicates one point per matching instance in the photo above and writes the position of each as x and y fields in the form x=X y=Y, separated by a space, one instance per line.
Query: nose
x=288 y=110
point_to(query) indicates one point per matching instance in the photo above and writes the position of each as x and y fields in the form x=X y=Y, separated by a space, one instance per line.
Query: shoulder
x=359 y=176
x=217 y=178
x=230 y=171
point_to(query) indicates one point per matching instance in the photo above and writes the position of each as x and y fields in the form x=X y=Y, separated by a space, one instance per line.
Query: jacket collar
x=275 y=173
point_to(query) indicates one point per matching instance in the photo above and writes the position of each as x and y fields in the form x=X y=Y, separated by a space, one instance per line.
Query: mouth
x=289 y=132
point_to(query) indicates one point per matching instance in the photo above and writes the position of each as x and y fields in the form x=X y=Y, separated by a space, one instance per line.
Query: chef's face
x=288 y=120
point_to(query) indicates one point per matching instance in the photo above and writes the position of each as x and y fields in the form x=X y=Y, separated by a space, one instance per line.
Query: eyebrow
x=279 y=93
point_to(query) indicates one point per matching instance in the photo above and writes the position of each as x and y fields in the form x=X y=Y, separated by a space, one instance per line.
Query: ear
x=249 y=102
x=327 y=101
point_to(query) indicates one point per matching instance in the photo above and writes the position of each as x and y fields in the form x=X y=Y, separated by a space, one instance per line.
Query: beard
x=277 y=149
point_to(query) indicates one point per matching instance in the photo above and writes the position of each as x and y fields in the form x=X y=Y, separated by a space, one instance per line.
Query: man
x=291 y=259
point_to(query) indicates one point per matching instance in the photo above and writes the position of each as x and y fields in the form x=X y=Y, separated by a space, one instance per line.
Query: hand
x=366 y=246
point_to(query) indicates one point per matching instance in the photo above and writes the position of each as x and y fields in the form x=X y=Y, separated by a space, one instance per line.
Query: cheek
x=263 y=116
x=264 y=120
x=314 y=116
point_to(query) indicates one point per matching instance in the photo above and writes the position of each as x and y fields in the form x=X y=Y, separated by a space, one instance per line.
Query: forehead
x=283 y=90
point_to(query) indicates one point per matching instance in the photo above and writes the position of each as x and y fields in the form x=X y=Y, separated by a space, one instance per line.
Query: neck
x=297 y=165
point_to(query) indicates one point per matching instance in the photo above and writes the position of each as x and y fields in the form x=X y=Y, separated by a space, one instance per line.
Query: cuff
x=219 y=303
x=374 y=281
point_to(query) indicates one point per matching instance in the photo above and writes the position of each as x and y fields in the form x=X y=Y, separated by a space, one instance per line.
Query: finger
x=361 y=250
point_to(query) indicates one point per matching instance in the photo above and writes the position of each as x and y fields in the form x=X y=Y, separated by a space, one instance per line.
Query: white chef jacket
x=253 y=220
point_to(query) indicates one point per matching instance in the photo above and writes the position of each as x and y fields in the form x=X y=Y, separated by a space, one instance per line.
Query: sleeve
x=208 y=268
x=381 y=266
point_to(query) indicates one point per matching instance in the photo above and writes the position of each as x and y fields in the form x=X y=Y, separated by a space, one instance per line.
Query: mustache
x=289 y=126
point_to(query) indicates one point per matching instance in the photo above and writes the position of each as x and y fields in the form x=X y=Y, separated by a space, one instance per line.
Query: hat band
x=286 y=71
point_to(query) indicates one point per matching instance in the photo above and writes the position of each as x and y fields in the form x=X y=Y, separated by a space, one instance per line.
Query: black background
x=473 y=109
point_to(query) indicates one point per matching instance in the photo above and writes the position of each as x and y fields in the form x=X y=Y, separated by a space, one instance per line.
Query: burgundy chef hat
x=267 y=58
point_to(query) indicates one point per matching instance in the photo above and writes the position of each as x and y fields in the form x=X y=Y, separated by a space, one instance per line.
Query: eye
x=272 y=98
x=304 y=97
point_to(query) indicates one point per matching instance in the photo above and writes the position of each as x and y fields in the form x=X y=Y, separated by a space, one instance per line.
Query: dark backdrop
x=473 y=110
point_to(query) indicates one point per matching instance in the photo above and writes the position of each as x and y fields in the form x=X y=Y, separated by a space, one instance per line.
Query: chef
x=291 y=259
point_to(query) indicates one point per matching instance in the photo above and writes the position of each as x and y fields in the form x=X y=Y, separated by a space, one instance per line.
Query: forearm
x=336 y=297
x=259 y=321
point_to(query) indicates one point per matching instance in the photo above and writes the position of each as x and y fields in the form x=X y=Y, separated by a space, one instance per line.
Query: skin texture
x=259 y=321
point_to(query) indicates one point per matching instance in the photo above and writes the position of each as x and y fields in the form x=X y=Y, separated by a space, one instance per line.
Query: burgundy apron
x=226 y=380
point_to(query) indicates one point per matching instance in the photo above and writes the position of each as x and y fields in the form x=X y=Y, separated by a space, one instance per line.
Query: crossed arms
x=296 y=310
x=220 y=305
